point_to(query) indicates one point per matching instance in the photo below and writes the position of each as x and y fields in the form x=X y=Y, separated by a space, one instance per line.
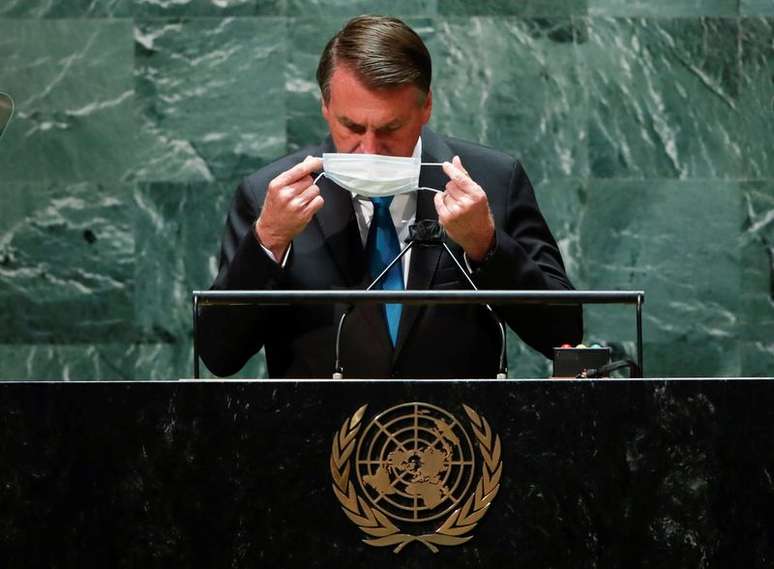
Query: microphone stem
x=392 y=263
x=502 y=373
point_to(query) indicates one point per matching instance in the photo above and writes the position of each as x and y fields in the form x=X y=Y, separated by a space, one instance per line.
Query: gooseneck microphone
x=426 y=233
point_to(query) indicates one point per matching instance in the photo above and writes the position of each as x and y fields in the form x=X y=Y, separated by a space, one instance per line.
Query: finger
x=453 y=171
x=455 y=192
x=459 y=196
x=302 y=184
x=460 y=177
x=291 y=191
x=458 y=163
x=440 y=207
x=454 y=206
x=314 y=205
x=302 y=199
x=309 y=193
x=305 y=168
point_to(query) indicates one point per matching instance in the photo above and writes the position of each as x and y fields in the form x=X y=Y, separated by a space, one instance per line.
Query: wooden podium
x=607 y=473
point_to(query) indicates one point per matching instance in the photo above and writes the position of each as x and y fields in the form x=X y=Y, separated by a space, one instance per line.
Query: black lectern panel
x=247 y=474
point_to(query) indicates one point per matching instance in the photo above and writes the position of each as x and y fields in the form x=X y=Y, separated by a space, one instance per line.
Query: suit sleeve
x=526 y=257
x=230 y=335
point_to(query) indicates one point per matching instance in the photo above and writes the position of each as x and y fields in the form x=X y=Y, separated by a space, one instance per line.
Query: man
x=285 y=231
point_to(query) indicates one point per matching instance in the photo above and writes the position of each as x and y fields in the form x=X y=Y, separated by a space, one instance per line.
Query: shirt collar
x=417 y=149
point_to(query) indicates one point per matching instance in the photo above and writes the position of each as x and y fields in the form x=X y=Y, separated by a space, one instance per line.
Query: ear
x=324 y=108
x=427 y=107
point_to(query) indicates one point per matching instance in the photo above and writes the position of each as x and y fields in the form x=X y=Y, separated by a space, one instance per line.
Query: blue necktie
x=382 y=247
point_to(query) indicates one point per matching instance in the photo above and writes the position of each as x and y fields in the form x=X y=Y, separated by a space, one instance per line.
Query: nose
x=368 y=143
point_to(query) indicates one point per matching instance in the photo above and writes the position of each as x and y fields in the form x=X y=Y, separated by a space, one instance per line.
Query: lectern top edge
x=482 y=381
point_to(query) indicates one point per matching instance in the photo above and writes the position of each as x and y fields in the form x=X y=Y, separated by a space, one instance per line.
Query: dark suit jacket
x=433 y=341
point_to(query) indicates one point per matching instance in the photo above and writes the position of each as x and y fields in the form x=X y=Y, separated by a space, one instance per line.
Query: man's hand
x=291 y=201
x=463 y=211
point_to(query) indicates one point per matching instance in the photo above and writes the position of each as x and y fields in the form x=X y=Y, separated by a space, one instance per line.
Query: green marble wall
x=645 y=125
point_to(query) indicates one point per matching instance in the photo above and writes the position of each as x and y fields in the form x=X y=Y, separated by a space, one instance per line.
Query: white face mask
x=372 y=175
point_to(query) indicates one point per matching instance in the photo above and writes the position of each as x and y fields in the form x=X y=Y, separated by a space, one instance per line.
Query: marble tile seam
x=149 y=19
x=184 y=19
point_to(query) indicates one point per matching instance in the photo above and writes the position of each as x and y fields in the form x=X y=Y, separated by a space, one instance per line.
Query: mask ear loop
x=318 y=178
x=425 y=187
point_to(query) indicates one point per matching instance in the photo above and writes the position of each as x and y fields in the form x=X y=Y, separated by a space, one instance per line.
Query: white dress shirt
x=403 y=210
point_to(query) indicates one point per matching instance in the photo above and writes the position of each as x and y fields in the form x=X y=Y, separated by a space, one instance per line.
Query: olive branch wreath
x=377 y=525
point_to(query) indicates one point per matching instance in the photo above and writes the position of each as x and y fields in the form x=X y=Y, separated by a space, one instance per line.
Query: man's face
x=363 y=121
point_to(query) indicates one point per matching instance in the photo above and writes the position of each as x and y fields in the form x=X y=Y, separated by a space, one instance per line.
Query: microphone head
x=426 y=231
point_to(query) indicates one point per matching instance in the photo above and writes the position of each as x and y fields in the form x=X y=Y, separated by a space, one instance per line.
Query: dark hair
x=383 y=52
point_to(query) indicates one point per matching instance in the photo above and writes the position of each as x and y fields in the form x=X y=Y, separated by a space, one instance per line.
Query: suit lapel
x=340 y=233
x=424 y=260
x=338 y=226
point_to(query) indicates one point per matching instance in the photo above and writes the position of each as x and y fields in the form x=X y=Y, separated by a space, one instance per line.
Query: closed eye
x=388 y=129
x=352 y=126
x=356 y=128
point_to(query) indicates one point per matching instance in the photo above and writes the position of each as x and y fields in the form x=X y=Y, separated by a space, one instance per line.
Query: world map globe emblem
x=415 y=462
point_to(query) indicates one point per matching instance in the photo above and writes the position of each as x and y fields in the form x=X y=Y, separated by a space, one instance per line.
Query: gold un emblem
x=413 y=466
